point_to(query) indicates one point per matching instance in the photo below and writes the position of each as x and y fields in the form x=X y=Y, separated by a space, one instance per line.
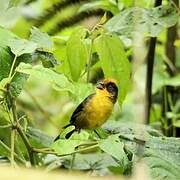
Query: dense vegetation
x=52 y=53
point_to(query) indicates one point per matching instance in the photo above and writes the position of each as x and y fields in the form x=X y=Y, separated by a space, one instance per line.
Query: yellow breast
x=98 y=110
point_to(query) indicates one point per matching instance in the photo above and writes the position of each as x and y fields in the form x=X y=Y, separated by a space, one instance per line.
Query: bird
x=95 y=109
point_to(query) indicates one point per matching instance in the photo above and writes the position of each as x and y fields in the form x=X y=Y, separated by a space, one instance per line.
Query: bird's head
x=109 y=88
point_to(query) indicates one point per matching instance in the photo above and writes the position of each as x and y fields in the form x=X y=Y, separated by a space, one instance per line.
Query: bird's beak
x=100 y=86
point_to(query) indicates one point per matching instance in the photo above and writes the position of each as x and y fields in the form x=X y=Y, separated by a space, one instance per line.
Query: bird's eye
x=110 y=88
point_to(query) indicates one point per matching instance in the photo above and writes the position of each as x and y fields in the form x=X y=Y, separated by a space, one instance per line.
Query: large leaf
x=42 y=40
x=22 y=46
x=5 y=37
x=162 y=155
x=8 y=15
x=77 y=53
x=66 y=146
x=115 y=148
x=114 y=61
x=149 y=21
x=98 y=161
x=46 y=74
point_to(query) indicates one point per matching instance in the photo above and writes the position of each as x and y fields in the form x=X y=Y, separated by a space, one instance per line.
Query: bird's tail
x=68 y=135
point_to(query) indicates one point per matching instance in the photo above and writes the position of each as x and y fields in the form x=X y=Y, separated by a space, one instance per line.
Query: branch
x=17 y=126
x=149 y=73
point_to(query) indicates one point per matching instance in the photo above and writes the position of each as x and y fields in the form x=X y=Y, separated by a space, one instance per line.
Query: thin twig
x=9 y=150
x=89 y=61
x=21 y=133
x=12 y=66
x=55 y=153
x=13 y=133
x=5 y=126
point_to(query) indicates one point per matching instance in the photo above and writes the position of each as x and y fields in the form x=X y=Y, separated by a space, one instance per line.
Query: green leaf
x=93 y=161
x=6 y=59
x=6 y=36
x=9 y=16
x=114 y=61
x=113 y=146
x=149 y=21
x=48 y=60
x=43 y=40
x=177 y=123
x=66 y=146
x=19 y=47
x=18 y=83
x=77 y=53
x=38 y=138
x=162 y=155
x=49 y=75
x=161 y=79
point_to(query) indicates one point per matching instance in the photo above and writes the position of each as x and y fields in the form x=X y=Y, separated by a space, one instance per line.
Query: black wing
x=80 y=108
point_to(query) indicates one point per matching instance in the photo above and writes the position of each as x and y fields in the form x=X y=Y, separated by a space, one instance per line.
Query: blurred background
x=49 y=109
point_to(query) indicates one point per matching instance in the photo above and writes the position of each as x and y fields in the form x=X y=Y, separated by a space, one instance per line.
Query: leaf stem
x=89 y=61
x=13 y=133
x=62 y=155
x=12 y=66
x=17 y=126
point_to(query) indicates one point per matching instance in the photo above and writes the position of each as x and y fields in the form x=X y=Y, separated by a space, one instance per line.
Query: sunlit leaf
x=114 y=61
x=46 y=74
x=66 y=146
x=42 y=40
x=77 y=54
x=19 y=47
x=113 y=146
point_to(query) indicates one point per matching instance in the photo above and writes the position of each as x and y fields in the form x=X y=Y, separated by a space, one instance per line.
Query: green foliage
x=114 y=147
x=9 y=14
x=5 y=62
x=77 y=53
x=36 y=109
x=43 y=40
x=162 y=156
x=19 y=47
x=46 y=74
x=114 y=61
x=147 y=21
